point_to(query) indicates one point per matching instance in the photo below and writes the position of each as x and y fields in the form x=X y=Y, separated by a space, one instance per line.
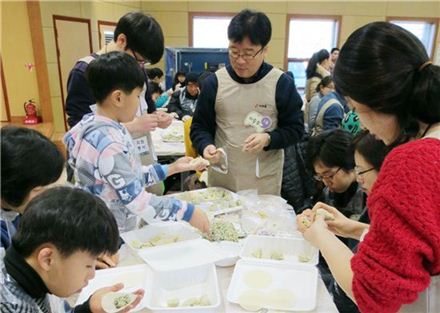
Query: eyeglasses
x=360 y=173
x=320 y=177
x=141 y=60
x=235 y=54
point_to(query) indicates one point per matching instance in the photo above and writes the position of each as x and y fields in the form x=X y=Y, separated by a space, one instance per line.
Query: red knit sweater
x=402 y=248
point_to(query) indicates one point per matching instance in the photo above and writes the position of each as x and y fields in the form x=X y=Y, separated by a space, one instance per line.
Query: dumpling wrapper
x=327 y=215
x=199 y=161
x=108 y=301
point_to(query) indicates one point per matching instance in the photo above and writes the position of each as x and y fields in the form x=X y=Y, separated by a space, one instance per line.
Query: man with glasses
x=247 y=112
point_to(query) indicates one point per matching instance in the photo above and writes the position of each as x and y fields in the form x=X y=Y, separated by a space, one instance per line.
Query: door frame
x=70 y=19
x=5 y=92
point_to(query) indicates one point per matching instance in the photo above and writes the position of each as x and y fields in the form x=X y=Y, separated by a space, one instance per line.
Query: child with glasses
x=331 y=156
x=369 y=154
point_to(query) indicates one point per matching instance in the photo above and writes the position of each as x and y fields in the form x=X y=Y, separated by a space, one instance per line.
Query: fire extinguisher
x=31 y=113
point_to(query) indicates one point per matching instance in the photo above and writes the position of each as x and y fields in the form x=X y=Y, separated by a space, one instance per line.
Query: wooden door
x=73 y=39
x=5 y=115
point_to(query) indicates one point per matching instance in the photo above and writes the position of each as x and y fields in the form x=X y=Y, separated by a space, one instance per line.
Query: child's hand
x=200 y=221
x=107 y=260
x=96 y=298
x=182 y=164
x=164 y=119
x=185 y=118
x=199 y=164
x=143 y=123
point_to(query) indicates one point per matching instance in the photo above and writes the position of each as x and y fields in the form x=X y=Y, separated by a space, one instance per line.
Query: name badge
x=258 y=121
x=141 y=145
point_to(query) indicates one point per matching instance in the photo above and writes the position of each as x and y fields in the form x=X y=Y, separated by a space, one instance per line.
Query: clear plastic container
x=160 y=234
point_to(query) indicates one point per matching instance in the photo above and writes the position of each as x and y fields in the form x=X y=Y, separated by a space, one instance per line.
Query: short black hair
x=112 y=71
x=154 y=72
x=333 y=148
x=192 y=77
x=154 y=88
x=390 y=59
x=28 y=160
x=372 y=150
x=144 y=35
x=69 y=218
x=325 y=82
x=251 y=24
x=334 y=49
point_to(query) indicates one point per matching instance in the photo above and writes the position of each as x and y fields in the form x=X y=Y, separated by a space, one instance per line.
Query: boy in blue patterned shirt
x=105 y=159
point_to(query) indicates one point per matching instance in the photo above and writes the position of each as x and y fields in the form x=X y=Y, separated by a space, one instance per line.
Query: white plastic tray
x=183 y=284
x=188 y=254
x=183 y=231
x=291 y=248
x=133 y=278
x=298 y=281
x=174 y=133
x=228 y=250
x=212 y=206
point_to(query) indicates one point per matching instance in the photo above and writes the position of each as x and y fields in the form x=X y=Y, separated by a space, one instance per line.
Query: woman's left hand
x=317 y=229
x=311 y=225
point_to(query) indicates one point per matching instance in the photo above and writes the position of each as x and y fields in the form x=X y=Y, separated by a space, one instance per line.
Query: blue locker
x=193 y=60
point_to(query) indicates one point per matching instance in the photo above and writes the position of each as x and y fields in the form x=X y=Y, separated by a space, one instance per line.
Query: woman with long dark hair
x=398 y=261
x=317 y=68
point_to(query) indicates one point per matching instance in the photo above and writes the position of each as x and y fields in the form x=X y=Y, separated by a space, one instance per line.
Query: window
x=106 y=30
x=108 y=36
x=209 y=31
x=307 y=35
x=423 y=29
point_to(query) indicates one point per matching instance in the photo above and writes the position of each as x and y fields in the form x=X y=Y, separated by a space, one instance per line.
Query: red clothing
x=402 y=248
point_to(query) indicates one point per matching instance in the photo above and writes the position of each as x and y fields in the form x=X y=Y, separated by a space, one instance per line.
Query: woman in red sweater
x=397 y=265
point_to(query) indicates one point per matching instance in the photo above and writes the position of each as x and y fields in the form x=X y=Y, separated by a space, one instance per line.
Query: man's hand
x=163 y=119
x=107 y=261
x=143 y=123
x=96 y=298
x=256 y=142
x=211 y=154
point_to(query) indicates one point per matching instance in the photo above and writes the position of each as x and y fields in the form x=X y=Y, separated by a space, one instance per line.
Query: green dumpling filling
x=121 y=301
